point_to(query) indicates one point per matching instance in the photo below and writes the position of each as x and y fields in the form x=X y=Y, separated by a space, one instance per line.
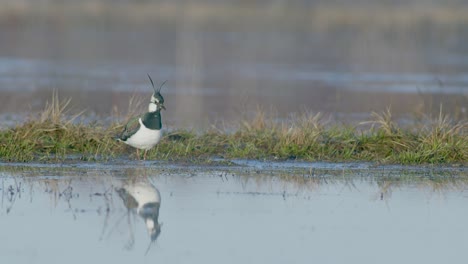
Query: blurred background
x=226 y=59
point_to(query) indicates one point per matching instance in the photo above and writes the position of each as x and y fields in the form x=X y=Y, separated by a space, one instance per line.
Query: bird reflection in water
x=141 y=197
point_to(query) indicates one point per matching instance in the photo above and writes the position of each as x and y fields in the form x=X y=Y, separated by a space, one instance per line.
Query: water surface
x=243 y=214
x=224 y=60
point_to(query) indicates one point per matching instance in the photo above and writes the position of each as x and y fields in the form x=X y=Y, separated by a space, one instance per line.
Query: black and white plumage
x=141 y=197
x=144 y=131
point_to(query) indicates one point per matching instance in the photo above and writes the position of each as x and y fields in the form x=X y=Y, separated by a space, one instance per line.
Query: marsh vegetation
x=55 y=135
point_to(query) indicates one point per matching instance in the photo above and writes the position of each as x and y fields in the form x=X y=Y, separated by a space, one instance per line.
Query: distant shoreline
x=320 y=17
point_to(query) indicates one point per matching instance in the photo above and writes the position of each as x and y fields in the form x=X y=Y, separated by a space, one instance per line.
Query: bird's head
x=157 y=98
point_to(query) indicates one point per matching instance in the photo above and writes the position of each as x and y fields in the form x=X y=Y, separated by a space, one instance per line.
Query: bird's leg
x=138 y=154
x=144 y=154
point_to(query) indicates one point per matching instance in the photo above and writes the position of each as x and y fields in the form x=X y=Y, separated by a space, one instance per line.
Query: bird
x=140 y=196
x=144 y=131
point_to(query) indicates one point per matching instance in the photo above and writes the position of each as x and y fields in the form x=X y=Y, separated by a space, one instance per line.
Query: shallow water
x=254 y=213
x=220 y=67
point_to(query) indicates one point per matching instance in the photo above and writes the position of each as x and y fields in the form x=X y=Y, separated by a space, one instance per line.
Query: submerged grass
x=54 y=136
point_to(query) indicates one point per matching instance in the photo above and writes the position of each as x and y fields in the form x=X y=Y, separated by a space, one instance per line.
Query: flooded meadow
x=286 y=126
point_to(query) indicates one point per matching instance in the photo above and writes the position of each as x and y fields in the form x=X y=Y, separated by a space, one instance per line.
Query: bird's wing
x=130 y=128
x=128 y=200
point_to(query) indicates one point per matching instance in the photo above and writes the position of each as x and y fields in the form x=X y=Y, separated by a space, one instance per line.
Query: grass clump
x=55 y=137
x=308 y=137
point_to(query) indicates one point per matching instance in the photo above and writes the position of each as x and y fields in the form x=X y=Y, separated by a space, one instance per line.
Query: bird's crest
x=154 y=88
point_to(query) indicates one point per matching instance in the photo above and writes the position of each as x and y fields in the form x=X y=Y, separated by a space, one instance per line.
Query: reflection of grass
x=291 y=181
x=305 y=137
x=436 y=182
x=386 y=180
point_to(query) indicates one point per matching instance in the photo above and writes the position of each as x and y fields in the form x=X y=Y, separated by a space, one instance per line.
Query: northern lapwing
x=141 y=197
x=144 y=131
